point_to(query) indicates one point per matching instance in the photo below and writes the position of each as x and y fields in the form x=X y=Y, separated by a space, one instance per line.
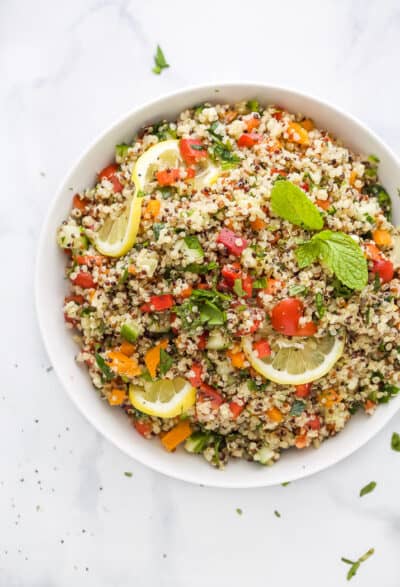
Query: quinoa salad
x=234 y=283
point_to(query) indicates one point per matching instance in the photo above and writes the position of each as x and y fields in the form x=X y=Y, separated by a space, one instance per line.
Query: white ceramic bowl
x=51 y=288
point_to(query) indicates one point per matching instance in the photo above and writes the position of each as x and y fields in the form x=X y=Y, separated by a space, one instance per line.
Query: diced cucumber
x=147 y=261
x=160 y=325
x=130 y=331
x=264 y=455
x=71 y=237
x=198 y=441
x=217 y=341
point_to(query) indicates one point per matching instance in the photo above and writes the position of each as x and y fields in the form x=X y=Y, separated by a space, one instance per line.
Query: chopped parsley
x=121 y=150
x=319 y=302
x=368 y=488
x=297 y=408
x=160 y=62
x=128 y=474
x=220 y=150
x=104 y=368
x=157 y=228
x=355 y=565
x=260 y=283
x=200 y=269
x=377 y=191
x=166 y=362
x=298 y=290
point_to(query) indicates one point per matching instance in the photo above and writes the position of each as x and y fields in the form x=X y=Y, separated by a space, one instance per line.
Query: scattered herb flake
x=165 y=362
x=260 y=283
x=285 y=484
x=277 y=514
x=395 y=442
x=297 y=408
x=368 y=488
x=355 y=565
x=159 y=61
x=128 y=474
x=239 y=511
x=319 y=302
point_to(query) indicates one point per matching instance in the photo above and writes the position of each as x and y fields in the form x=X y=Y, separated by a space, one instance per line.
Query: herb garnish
x=200 y=269
x=319 y=302
x=290 y=202
x=368 y=488
x=157 y=228
x=121 y=150
x=165 y=362
x=160 y=61
x=277 y=514
x=104 y=368
x=340 y=253
x=220 y=150
x=260 y=283
x=355 y=565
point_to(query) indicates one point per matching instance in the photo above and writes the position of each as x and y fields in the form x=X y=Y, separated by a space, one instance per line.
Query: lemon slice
x=165 y=398
x=296 y=361
x=117 y=235
x=167 y=154
x=159 y=156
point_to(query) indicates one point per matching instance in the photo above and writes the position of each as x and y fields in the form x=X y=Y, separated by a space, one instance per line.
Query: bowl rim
x=169 y=471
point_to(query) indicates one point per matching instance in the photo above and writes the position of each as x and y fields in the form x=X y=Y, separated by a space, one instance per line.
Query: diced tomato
x=108 y=171
x=384 y=268
x=143 y=427
x=190 y=173
x=247 y=286
x=77 y=299
x=234 y=243
x=80 y=203
x=231 y=272
x=168 y=176
x=192 y=150
x=285 y=316
x=248 y=139
x=84 y=279
x=262 y=348
x=159 y=303
x=201 y=344
x=324 y=204
x=236 y=409
x=117 y=185
x=305 y=187
x=196 y=379
x=70 y=320
x=208 y=393
x=275 y=171
x=314 y=423
x=309 y=329
x=303 y=390
x=277 y=115
x=203 y=286
x=254 y=325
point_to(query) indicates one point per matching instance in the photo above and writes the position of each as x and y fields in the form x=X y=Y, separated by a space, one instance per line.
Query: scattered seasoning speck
x=368 y=488
x=239 y=511
x=128 y=474
x=42 y=173
x=277 y=514
x=355 y=565
x=49 y=369
x=395 y=443
x=164 y=555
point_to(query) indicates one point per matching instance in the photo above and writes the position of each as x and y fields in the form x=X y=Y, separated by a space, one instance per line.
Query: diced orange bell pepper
x=176 y=435
x=382 y=237
x=297 y=134
x=116 y=397
x=275 y=415
x=123 y=365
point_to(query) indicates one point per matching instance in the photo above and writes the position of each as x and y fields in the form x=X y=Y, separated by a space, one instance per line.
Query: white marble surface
x=68 y=514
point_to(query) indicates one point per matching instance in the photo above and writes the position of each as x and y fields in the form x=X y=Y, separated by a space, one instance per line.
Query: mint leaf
x=340 y=253
x=290 y=202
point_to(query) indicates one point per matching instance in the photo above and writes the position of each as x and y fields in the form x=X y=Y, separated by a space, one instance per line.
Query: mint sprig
x=290 y=202
x=340 y=253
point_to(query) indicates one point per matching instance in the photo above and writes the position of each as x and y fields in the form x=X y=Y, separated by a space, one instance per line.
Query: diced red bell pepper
x=236 y=409
x=168 y=176
x=190 y=173
x=108 y=171
x=384 y=268
x=303 y=390
x=262 y=348
x=305 y=187
x=248 y=139
x=201 y=344
x=208 y=393
x=197 y=371
x=158 y=303
x=285 y=316
x=84 y=279
x=80 y=203
x=309 y=329
x=314 y=423
x=144 y=428
x=77 y=299
x=276 y=171
x=234 y=243
x=278 y=115
x=247 y=286
x=70 y=320
x=89 y=260
x=231 y=272
x=192 y=150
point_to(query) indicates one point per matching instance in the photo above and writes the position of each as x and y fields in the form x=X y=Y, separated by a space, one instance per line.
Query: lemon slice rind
x=178 y=404
x=120 y=237
x=282 y=377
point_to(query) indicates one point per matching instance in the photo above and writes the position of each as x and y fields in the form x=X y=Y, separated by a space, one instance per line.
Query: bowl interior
x=51 y=287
